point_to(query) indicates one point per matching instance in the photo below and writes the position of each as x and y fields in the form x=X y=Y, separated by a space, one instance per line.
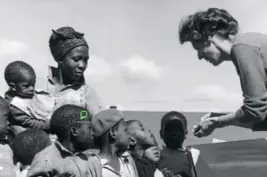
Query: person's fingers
x=196 y=128
x=177 y=175
x=169 y=172
x=199 y=134
x=166 y=172
x=205 y=116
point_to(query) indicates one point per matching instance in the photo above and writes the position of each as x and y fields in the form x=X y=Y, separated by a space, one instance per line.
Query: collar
x=105 y=164
x=64 y=151
x=124 y=156
x=53 y=78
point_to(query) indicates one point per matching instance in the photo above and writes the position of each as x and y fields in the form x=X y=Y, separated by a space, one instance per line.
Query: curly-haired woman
x=215 y=35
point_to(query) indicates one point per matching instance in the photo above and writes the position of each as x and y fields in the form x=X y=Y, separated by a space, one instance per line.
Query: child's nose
x=31 y=88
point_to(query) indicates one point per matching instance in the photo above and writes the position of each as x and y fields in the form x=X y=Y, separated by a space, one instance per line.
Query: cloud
x=216 y=92
x=12 y=47
x=138 y=69
x=203 y=109
x=98 y=69
x=211 y=98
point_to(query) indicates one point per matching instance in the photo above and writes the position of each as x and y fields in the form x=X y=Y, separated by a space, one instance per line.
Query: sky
x=136 y=61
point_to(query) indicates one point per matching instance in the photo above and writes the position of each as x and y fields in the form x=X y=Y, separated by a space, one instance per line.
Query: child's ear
x=161 y=133
x=132 y=141
x=12 y=86
x=185 y=134
x=112 y=133
x=74 y=131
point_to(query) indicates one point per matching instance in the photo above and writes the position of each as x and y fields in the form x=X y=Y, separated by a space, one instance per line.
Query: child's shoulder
x=167 y=151
x=47 y=155
x=50 y=152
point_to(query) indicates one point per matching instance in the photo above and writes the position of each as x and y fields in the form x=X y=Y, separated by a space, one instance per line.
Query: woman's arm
x=93 y=101
x=250 y=67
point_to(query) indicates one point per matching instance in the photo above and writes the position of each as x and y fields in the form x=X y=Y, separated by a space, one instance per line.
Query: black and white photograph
x=133 y=88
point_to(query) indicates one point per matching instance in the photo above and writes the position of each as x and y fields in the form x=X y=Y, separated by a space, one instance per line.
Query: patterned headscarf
x=63 y=40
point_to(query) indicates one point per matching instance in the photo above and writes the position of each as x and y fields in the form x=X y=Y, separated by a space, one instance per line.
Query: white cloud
x=138 y=69
x=211 y=98
x=12 y=47
x=98 y=69
x=203 y=110
x=216 y=92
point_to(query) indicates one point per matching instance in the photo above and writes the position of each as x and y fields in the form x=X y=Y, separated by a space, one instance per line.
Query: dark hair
x=60 y=38
x=15 y=71
x=172 y=114
x=66 y=117
x=201 y=25
x=28 y=143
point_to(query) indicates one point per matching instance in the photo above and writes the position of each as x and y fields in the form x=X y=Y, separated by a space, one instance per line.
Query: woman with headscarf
x=66 y=83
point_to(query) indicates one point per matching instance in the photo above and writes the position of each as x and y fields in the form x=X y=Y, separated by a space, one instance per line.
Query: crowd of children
x=42 y=133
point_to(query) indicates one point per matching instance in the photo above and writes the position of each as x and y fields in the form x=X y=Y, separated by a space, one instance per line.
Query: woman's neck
x=61 y=79
x=224 y=44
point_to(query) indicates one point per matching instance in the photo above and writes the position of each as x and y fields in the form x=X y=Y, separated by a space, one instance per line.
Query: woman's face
x=208 y=51
x=74 y=63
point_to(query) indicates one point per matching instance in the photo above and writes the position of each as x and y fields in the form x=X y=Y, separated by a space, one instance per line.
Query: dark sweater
x=176 y=161
x=249 y=55
x=144 y=166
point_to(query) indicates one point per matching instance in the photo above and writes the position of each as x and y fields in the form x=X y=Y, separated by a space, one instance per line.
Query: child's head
x=21 y=78
x=110 y=130
x=173 y=129
x=28 y=143
x=134 y=125
x=69 y=126
x=153 y=152
x=4 y=113
x=142 y=142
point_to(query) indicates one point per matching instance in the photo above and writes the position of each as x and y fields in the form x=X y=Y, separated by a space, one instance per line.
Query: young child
x=6 y=154
x=25 y=146
x=140 y=141
x=174 y=157
x=153 y=152
x=144 y=149
x=29 y=109
x=135 y=125
x=112 y=138
x=66 y=155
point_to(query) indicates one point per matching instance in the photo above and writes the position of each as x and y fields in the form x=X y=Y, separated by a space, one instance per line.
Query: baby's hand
x=167 y=173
